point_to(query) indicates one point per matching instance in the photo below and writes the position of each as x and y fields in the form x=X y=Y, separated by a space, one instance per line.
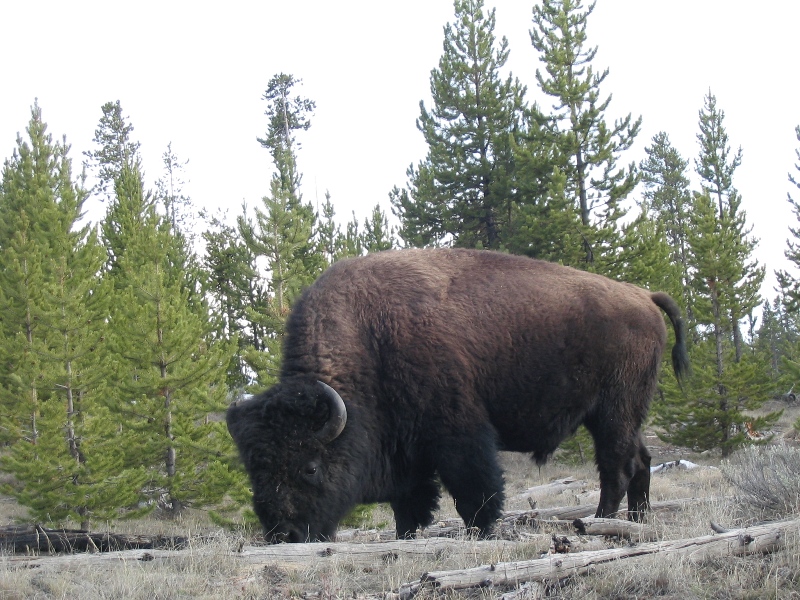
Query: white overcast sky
x=193 y=73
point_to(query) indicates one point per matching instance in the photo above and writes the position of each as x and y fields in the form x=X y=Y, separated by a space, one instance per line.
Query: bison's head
x=290 y=440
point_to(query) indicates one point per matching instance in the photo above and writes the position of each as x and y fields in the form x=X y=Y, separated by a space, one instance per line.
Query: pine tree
x=378 y=236
x=352 y=241
x=728 y=381
x=64 y=466
x=232 y=284
x=646 y=258
x=547 y=224
x=22 y=281
x=329 y=233
x=462 y=192
x=725 y=383
x=37 y=198
x=169 y=189
x=114 y=148
x=787 y=281
x=789 y=365
x=667 y=199
x=586 y=148
x=716 y=168
x=169 y=368
x=776 y=342
x=283 y=231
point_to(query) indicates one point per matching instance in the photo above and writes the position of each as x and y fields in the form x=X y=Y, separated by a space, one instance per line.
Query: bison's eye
x=311 y=472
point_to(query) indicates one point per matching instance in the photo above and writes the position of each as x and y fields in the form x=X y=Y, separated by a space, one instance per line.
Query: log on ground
x=290 y=555
x=35 y=538
x=760 y=539
x=570 y=513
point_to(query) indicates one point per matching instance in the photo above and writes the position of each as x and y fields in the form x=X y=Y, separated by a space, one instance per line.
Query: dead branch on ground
x=760 y=539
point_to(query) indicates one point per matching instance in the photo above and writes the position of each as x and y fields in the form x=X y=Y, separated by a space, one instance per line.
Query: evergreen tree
x=646 y=257
x=177 y=210
x=169 y=370
x=728 y=382
x=787 y=281
x=114 y=148
x=586 y=148
x=22 y=281
x=282 y=233
x=352 y=241
x=232 y=284
x=667 y=199
x=547 y=224
x=169 y=189
x=329 y=233
x=378 y=236
x=776 y=342
x=53 y=325
x=725 y=383
x=716 y=168
x=37 y=198
x=789 y=307
x=715 y=165
x=462 y=193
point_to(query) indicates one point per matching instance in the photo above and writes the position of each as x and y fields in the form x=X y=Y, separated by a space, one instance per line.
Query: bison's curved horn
x=338 y=415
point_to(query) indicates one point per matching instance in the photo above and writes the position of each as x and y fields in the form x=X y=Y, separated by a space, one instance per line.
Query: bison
x=409 y=367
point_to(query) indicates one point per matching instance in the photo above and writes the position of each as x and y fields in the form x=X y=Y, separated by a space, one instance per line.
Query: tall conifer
x=282 y=232
x=728 y=383
x=586 y=148
x=668 y=199
x=64 y=464
x=170 y=371
x=462 y=193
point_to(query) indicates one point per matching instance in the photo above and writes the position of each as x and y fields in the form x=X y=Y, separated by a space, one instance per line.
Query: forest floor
x=223 y=564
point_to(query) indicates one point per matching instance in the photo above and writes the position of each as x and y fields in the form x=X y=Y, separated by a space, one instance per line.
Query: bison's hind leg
x=414 y=508
x=639 y=487
x=467 y=464
x=624 y=466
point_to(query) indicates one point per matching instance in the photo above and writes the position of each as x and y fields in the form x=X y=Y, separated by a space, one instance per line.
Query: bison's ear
x=234 y=418
x=241 y=415
x=330 y=414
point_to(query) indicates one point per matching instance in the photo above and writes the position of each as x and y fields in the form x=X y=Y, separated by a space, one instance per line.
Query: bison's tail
x=680 y=357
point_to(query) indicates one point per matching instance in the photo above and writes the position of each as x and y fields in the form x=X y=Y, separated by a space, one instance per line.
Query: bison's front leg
x=467 y=464
x=414 y=506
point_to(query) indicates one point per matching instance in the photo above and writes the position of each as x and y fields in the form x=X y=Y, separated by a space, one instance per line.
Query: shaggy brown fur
x=442 y=357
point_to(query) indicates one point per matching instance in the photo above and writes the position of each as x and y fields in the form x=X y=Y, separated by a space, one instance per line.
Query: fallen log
x=288 y=555
x=629 y=530
x=753 y=540
x=566 y=545
x=570 y=513
x=35 y=538
x=558 y=486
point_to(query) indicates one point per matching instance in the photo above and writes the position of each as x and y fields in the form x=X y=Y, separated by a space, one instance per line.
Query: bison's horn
x=338 y=415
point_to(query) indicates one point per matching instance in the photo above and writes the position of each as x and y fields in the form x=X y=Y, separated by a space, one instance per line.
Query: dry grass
x=210 y=568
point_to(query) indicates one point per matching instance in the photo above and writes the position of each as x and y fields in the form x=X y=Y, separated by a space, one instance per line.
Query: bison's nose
x=296 y=537
x=284 y=533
